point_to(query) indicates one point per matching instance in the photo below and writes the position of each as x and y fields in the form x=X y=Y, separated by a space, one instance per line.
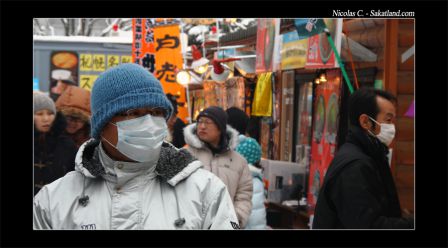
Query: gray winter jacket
x=102 y=193
x=229 y=166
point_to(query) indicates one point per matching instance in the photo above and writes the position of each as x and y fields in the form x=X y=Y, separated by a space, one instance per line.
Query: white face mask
x=141 y=139
x=387 y=132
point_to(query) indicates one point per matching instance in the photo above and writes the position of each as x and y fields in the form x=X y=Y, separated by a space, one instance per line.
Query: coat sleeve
x=41 y=210
x=357 y=202
x=219 y=212
x=243 y=196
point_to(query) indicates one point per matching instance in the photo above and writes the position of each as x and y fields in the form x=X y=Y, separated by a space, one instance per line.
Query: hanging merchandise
x=262 y=103
x=198 y=102
x=224 y=95
x=323 y=144
x=214 y=94
x=265 y=137
x=235 y=92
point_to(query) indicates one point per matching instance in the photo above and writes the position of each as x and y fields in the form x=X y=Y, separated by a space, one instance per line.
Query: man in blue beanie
x=126 y=176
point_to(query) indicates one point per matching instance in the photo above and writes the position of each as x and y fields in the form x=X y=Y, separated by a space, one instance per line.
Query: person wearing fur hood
x=212 y=142
x=74 y=103
x=126 y=176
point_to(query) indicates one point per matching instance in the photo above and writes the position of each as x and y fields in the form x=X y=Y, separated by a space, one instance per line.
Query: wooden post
x=390 y=56
x=390 y=69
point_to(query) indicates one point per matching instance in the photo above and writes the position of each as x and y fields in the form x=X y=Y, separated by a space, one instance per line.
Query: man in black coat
x=358 y=191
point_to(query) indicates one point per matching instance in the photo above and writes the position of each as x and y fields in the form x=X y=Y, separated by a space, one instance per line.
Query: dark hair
x=237 y=119
x=363 y=101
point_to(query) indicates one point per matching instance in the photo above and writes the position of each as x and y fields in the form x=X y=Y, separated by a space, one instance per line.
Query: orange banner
x=168 y=56
x=143 y=43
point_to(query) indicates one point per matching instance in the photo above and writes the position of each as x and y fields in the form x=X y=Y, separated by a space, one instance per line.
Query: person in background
x=126 y=177
x=54 y=152
x=175 y=125
x=358 y=190
x=237 y=119
x=60 y=86
x=212 y=141
x=74 y=103
x=251 y=151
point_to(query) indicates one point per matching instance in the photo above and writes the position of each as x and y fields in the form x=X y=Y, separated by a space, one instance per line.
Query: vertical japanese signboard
x=323 y=144
x=168 y=57
x=143 y=52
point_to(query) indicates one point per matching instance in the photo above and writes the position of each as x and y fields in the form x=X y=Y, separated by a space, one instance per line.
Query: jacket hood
x=193 y=140
x=173 y=165
x=57 y=128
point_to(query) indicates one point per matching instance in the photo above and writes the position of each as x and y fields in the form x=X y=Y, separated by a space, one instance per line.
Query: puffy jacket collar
x=193 y=140
x=173 y=165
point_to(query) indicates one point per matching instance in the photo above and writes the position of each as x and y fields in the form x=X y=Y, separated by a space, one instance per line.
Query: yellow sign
x=87 y=81
x=262 y=104
x=99 y=62
x=112 y=60
x=126 y=59
x=293 y=52
x=85 y=62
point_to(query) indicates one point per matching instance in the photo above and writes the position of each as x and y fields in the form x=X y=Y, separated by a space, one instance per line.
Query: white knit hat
x=41 y=101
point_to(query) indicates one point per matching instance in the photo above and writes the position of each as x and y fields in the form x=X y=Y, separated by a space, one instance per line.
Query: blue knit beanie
x=249 y=149
x=124 y=87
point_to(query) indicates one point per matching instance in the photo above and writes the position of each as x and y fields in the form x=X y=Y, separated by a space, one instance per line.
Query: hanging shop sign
x=293 y=51
x=168 y=54
x=323 y=144
x=267 y=33
x=143 y=52
x=320 y=53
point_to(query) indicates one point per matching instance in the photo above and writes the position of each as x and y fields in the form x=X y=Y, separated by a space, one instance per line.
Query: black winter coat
x=54 y=154
x=178 y=133
x=358 y=191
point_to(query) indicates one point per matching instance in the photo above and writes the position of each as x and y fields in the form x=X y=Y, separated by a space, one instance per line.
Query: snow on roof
x=87 y=39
